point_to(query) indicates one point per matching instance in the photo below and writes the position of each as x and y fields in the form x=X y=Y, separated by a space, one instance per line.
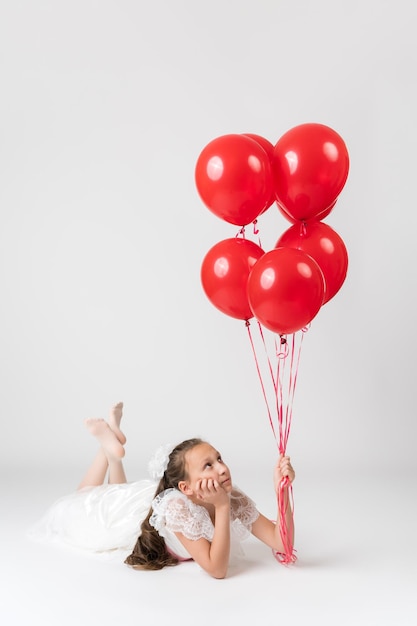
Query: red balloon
x=265 y=143
x=310 y=168
x=224 y=275
x=269 y=149
x=285 y=290
x=233 y=176
x=325 y=246
x=319 y=216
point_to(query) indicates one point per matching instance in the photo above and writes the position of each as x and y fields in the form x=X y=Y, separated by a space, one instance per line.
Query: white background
x=104 y=109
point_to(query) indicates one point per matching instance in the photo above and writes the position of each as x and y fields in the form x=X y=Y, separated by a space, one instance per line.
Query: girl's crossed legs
x=109 y=457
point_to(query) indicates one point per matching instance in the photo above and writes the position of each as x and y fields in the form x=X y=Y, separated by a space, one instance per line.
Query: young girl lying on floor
x=189 y=509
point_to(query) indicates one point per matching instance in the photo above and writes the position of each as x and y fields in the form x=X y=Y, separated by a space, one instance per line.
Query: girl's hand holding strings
x=283 y=469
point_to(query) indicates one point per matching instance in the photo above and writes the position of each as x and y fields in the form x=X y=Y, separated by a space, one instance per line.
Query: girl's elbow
x=218 y=572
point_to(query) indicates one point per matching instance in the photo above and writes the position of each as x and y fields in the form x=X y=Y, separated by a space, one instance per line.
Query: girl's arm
x=266 y=530
x=212 y=557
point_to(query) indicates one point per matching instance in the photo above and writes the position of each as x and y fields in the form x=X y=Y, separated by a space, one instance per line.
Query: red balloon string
x=285 y=499
x=260 y=377
x=303 y=229
x=284 y=380
x=242 y=232
x=256 y=231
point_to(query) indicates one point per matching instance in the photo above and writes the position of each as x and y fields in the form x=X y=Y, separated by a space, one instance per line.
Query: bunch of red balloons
x=239 y=177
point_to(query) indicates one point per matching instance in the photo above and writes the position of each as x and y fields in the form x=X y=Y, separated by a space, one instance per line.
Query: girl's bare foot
x=112 y=447
x=114 y=421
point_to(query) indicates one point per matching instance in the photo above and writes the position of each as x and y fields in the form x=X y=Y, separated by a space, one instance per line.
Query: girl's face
x=205 y=462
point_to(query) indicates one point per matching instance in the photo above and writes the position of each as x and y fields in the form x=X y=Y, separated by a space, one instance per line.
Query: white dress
x=174 y=512
x=108 y=518
x=97 y=519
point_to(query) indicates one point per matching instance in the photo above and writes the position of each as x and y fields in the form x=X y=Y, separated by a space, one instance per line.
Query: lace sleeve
x=174 y=512
x=244 y=513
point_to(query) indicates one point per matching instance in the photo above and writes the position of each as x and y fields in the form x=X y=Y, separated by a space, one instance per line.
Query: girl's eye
x=207 y=465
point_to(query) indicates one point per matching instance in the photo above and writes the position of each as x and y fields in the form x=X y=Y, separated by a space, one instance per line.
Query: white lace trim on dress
x=173 y=511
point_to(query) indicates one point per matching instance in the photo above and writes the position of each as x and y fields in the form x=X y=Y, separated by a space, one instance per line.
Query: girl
x=193 y=512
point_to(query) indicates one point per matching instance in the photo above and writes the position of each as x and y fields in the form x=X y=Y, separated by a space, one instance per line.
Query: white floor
x=357 y=565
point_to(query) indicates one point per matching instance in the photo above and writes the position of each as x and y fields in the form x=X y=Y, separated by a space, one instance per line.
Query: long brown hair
x=150 y=551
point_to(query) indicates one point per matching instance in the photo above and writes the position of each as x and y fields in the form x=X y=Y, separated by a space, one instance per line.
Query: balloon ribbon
x=283 y=375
